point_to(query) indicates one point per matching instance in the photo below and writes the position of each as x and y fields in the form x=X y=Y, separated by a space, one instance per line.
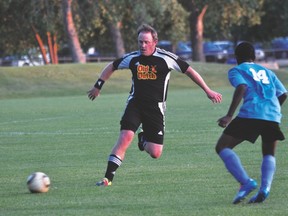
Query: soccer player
x=146 y=104
x=260 y=115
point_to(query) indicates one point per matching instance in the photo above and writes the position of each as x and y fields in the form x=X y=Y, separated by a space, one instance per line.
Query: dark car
x=280 y=47
x=182 y=49
x=280 y=43
x=214 y=53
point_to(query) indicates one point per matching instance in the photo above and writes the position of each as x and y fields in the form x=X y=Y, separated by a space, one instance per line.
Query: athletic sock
x=114 y=162
x=268 y=169
x=233 y=165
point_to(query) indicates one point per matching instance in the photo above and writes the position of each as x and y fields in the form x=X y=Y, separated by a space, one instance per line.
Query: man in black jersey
x=146 y=104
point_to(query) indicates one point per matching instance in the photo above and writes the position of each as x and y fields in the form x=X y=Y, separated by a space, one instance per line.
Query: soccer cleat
x=245 y=190
x=104 y=182
x=260 y=196
x=141 y=141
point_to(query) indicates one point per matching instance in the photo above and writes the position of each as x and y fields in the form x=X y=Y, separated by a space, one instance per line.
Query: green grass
x=50 y=126
x=76 y=79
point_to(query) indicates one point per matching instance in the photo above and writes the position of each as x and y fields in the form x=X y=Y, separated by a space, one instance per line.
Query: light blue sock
x=233 y=165
x=268 y=169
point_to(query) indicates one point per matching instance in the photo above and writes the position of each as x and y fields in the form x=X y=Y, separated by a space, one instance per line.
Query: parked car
x=280 y=47
x=226 y=46
x=280 y=43
x=228 y=49
x=259 y=51
x=21 y=61
x=92 y=54
x=165 y=44
x=182 y=49
x=214 y=53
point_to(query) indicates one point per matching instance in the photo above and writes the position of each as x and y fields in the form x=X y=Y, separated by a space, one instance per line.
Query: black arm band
x=99 y=83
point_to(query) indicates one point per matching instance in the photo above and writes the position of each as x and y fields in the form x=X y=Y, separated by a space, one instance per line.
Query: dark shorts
x=150 y=115
x=250 y=129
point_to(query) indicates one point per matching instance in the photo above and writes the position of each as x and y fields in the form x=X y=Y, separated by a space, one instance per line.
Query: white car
x=21 y=61
x=228 y=48
x=259 y=54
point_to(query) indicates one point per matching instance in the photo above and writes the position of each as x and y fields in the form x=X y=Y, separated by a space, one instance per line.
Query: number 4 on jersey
x=260 y=76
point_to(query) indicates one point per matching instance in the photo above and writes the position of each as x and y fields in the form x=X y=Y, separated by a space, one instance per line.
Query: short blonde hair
x=148 y=28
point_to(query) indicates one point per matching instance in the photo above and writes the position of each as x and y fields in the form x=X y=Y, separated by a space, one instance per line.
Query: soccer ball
x=38 y=182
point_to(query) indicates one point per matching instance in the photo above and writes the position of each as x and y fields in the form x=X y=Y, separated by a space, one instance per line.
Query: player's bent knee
x=154 y=150
x=156 y=155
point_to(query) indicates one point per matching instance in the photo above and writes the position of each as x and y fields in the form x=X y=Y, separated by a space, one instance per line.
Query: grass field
x=48 y=124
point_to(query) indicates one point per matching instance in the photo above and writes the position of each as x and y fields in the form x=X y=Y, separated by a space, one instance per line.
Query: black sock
x=113 y=163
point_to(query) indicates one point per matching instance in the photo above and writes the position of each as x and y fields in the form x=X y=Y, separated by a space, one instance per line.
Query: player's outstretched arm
x=105 y=75
x=215 y=97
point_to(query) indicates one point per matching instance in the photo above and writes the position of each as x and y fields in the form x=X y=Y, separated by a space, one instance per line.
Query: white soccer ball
x=38 y=182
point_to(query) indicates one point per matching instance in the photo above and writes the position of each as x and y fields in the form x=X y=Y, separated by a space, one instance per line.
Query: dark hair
x=244 y=52
x=148 y=28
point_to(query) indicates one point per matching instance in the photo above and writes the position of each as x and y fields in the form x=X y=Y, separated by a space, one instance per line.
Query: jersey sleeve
x=183 y=66
x=117 y=62
x=124 y=62
x=280 y=88
x=236 y=78
x=172 y=60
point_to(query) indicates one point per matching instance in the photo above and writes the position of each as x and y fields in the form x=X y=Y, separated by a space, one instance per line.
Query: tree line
x=110 y=25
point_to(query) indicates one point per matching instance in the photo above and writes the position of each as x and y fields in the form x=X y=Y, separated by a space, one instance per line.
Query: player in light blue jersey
x=259 y=115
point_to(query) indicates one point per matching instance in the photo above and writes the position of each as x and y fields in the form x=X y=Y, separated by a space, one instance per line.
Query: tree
x=31 y=26
x=112 y=12
x=40 y=44
x=274 y=22
x=197 y=30
x=98 y=22
x=238 y=16
x=125 y=16
x=45 y=28
x=74 y=44
x=163 y=15
x=197 y=10
x=234 y=20
x=223 y=19
x=15 y=31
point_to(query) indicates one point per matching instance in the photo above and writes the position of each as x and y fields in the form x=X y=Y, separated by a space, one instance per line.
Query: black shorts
x=150 y=115
x=250 y=129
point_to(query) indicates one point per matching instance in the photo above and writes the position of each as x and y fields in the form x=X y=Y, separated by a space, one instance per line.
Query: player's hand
x=224 y=121
x=215 y=97
x=93 y=93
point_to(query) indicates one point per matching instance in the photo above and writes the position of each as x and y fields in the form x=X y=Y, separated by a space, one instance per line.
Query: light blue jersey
x=263 y=90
